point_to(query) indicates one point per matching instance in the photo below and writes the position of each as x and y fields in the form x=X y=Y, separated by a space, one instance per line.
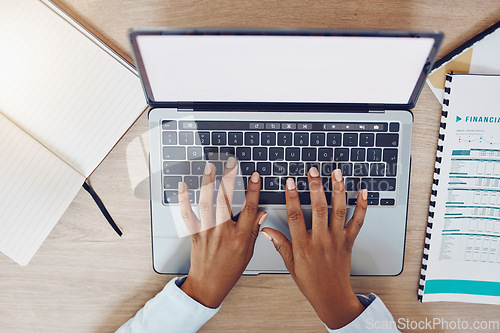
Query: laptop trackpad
x=266 y=259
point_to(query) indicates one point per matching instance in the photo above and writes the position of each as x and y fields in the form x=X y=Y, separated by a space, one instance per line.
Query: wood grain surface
x=87 y=279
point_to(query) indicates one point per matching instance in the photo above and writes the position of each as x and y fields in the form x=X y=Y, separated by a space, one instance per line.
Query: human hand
x=319 y=260
x=220 y=247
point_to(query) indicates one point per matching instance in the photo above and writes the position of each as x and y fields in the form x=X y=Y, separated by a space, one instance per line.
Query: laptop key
x=308 y=154
x=373 y=195
x=272 y=198
x=219 y=169
x=292 y=154
x=394 y=127
x=260 y=154
x=284 y=139
x=317 y=139
x=264 y=168
x=327 y=169
x=170 y=197
x=390 y=155
x=296 y=169
x=252 y=138
x=194 y=153
x=333 y=139
x=366 y=139
x=350 y=139
x=186 y=138
x=226 y=152
x=341 y=154
x=374 y=155
x=302 y=184
x=202 y=138
x=169 y=138
x=247 y=168
x=325 y=154
x=169 y=125
x=387 y=202
x=198 y=168
x=192 y=182
x=361 y=169
x=377 y=169
x=276 y=154
x=176 y=168
x=244 y=153
x=268 y=139
x=379 y=184
x=211 y=153
x=271 y=183
x=235 y=139
x=358 y=154
x=372 y=202
x=171 y=182
x=390 y=169
x=301 y=139
x=387 y=140
x=219 y=138
x=174 y=153
x=310 y=165
x=346 y=169
x=280 y=168
x=352 y=184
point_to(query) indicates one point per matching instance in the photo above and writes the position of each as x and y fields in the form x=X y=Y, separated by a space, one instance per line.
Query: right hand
x=319 y=260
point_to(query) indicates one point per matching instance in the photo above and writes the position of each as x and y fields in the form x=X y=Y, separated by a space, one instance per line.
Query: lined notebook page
x=63 y=88
x=36 y=187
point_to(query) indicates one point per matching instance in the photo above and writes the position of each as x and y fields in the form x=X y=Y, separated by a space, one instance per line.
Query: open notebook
x=65 y=100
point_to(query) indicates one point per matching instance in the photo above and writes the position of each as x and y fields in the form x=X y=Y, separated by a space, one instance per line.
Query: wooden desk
x=87 y=279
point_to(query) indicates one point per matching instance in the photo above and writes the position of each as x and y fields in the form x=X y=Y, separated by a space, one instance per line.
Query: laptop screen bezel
x=284 y=106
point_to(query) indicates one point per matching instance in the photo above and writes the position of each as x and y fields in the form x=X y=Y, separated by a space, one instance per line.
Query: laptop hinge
x=185 y=109
x=376 y=111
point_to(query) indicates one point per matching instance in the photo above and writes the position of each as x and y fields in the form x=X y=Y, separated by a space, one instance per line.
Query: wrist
x=200 y=293
x=341 y=311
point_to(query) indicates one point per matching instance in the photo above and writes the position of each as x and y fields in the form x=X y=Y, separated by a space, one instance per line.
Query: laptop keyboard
x=367 y=154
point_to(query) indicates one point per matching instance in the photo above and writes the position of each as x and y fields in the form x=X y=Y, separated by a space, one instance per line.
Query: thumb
x=282 y=245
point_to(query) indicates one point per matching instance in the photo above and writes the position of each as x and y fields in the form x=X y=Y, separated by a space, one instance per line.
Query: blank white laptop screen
x=315 y=69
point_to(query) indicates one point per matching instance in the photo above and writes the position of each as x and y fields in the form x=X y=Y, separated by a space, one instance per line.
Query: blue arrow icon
x=458 y=118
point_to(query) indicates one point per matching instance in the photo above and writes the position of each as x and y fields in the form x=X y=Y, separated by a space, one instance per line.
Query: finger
x=318 y=202
x=358 y=217
x=282 y=245
x=249 y=211
x=294 y=213
x=207 y=197
x=188 y=216
x=338 y=201
x=225 y=193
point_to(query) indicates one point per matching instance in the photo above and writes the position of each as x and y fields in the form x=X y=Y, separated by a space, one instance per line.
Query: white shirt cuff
x=171 y=310
x=375 y=318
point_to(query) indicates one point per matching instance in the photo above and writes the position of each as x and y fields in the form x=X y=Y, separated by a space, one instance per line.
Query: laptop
x=280 y=102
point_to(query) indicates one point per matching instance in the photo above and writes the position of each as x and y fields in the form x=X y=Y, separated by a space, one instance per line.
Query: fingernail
x=208 y=169
x=364 y=194
x=338 y=175
x=181 y=187
x=231 y=161
x=255 y=178
x=265 y=234
x=290 y=184
x=314 y=172
x=262 y=219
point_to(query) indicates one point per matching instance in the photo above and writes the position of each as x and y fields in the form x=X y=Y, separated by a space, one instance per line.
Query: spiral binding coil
x=434 y=192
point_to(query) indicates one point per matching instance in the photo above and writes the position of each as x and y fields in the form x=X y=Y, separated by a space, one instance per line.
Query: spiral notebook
x=461 y=260
x=65 y=100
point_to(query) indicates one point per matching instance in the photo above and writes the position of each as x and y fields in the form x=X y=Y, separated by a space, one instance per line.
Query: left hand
x=220 y=247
